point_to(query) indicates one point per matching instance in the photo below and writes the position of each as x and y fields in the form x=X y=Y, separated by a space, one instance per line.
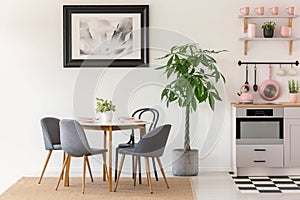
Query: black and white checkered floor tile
x=267 y=184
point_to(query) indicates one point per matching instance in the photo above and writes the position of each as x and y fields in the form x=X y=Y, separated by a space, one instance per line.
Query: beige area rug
x=28 y=189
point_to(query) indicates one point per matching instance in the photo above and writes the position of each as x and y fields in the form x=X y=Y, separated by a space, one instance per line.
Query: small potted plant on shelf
x=293 y=91
x=106 y=108
x=268 y=28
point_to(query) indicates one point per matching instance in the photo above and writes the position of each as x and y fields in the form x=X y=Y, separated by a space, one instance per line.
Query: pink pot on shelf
x=285 y=31
x=293 y=97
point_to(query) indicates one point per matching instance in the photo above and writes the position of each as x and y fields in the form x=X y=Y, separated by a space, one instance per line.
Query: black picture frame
x=137 y=14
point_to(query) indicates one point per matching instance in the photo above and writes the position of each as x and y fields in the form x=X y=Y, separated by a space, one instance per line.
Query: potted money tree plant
x=194 y=73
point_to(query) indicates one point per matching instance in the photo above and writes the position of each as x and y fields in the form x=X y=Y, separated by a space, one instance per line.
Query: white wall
x=34 y=83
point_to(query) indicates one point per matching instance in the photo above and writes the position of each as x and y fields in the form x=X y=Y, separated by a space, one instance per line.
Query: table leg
x=110 y=160
x=104 y=157
x=142 y=131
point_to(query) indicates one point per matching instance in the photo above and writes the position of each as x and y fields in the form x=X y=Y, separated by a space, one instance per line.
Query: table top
x=113 y=123
x=116 y=125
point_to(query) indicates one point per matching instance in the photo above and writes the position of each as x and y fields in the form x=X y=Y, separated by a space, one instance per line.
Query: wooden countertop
x=279 y=104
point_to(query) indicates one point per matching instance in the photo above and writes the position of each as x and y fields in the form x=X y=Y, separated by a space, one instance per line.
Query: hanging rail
x=269 y=63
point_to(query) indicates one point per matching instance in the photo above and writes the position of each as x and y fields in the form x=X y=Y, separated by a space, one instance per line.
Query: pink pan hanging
x=269 y=89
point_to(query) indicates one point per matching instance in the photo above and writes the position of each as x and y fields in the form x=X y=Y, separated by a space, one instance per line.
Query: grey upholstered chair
x=74 y=143
x=152 y=145
x=140 y=114
x=51 y=136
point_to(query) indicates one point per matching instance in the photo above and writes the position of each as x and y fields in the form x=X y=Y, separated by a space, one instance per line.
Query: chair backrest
x=154 y=118
x=73 y=138
x=154 y=142
x=51 y=132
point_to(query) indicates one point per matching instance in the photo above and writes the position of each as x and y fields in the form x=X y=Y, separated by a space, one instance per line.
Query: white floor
x=216 y=186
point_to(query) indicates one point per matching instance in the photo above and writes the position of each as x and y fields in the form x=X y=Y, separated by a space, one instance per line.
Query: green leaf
x=171 y=96
x=165 y=56
x=211 y=59
x=174 y=48
x=177 y=60
x=164 y=93
x=214 y=52
x=192 y=71
x=186 y=63
x=194 y=104
x=208 y=85
x=211 y=102
x=203 y=97
x=185 y=103
x=180 y=102
x=224 y=80
x=217 y=76
x=198 y=91
x=216 y=96
x=170 y=61
x=161 y=67
x=169 y=72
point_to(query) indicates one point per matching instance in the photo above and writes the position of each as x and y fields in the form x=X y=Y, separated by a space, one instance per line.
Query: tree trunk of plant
x=187 y=129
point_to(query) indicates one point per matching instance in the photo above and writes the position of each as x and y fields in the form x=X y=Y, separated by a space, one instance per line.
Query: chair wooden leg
x=83 y=173
x=116 y=163
x=135 y=169
x=45 y=165
x=132 y=163
x=154 y=168
x=119 y=172
x=89 y=168
x=104 y=166
x=140 y=170
x=162 y=172
x=148 y=174
x=64 y=158
x=67 y=171
x=62 y=171
x=105 y=173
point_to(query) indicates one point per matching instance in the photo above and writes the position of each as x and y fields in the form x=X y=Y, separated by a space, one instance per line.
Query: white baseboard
x=215 y=169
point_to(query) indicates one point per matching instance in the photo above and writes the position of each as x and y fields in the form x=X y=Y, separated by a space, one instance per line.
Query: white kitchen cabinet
x=259 y=155
x=265 y=159
x=292 y=136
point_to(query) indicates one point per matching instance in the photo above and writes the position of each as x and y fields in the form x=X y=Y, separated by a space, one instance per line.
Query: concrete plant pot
x=185 y=164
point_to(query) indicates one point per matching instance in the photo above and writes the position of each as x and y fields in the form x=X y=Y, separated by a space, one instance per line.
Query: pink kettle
x=245 y=96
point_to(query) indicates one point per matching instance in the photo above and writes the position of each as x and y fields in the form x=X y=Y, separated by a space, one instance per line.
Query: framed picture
x=105 y=35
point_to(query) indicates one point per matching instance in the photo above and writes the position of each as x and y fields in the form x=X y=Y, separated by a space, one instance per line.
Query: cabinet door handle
x=259 y=149
x=259 y=161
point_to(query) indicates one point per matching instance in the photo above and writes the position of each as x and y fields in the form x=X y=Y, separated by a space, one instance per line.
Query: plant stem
x=187 y=129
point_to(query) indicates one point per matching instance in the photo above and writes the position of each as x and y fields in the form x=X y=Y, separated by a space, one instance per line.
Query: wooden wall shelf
x=290 y=23
x=290 y=40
